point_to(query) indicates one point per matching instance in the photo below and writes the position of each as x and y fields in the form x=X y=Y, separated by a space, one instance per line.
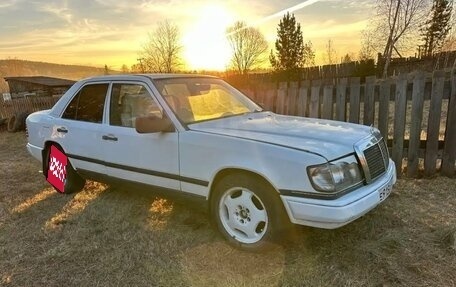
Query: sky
x=113 y=32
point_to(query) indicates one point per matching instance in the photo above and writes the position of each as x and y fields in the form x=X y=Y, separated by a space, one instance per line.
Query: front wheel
x=248 y=212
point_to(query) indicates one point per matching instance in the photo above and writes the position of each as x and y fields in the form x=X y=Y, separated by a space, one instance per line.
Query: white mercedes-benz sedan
x=190 y=134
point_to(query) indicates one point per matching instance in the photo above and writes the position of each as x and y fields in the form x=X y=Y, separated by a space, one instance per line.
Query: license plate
x=385 y=191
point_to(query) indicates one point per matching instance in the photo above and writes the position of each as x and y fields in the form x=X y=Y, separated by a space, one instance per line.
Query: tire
x=73 y=181
x=248 y=212
x=16 y=122
x=21 y=117
x=12 y=127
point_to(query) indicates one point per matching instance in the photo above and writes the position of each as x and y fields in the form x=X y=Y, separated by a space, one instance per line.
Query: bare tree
x=367 y=50
x=248 y=47
x=162 y=53
x=396 y=22
x=330 y=56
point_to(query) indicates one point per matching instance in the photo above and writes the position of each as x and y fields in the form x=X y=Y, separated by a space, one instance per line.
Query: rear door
x=151 y=159
x=78 y=129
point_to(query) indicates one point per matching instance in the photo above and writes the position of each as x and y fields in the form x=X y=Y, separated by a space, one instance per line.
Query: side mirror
x=151 y=124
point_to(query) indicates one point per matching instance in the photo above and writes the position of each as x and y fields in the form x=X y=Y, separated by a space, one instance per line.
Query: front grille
x=377 y=159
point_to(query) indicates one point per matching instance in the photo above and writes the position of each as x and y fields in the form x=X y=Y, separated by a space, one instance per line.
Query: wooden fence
x=25 y=105
x=416 y=112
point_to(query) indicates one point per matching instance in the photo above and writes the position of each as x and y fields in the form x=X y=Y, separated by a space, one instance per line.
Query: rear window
x=88 y=104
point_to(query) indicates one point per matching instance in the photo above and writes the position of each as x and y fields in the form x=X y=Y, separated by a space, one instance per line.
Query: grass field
x=107 y=236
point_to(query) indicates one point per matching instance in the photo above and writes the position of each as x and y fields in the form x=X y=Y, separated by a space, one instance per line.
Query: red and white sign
x=57 y=169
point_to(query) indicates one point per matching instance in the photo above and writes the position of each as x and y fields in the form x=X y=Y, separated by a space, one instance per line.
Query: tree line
x=398 y=27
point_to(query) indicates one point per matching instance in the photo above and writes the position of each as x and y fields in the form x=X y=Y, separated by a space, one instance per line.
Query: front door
x=151 y=159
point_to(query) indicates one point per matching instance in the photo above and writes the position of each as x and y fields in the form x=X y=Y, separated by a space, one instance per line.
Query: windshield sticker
x=56 y=173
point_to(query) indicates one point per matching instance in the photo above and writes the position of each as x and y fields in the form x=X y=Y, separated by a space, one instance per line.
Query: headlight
x=335 y=176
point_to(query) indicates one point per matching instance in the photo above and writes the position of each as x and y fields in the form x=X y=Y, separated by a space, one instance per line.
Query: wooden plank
x=383 y=109
x=354 y=100
x=341 y=99
x=327 y=108
x=399 y=122
x=449 y=150
x=303 y=97
x=248 y=93
x=369 y=108
x=432 y=140
x=269 y=99
x=292 y=95
x=314 y=105
x=260 y=95
x=435 y=110
x=280 y=103
x=415 y=125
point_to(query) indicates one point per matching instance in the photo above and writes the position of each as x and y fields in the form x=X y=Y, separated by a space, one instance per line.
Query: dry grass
x=108 y=236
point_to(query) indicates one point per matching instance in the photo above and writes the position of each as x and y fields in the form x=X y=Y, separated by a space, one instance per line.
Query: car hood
x=330 y=139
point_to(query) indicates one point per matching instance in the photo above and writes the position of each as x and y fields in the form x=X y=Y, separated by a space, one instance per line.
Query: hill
x=16 y=67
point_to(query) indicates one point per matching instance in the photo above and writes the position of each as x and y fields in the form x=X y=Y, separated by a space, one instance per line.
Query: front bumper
x=335 y=213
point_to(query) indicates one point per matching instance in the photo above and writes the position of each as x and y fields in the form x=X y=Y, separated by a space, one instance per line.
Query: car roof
x=150 y=76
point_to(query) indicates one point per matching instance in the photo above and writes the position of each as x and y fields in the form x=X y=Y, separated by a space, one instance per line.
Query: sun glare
x=205 y=44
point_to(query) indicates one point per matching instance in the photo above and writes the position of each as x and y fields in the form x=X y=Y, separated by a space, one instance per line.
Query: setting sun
x=205 y=44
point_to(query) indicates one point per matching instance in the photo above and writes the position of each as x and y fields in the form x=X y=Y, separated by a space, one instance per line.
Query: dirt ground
x=108 y=236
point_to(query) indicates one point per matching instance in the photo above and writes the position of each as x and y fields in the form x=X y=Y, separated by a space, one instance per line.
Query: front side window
x=130 y=101
x=201 y=99
x=88 y=104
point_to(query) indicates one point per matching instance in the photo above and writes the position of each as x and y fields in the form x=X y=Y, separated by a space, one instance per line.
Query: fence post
x=314 y=105
x=341 y=100
x=327 y=109
x=354 y=100
x=449 y=150
x=383 y=107
x=369 y=101
x=433 y=130
x=399 y=121
x=292 y=97
x=415 y=124
x=270 y=98
x=281 y=95
x=303 y=98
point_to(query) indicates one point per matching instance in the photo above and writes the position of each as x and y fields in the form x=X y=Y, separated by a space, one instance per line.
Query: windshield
x=200 y=99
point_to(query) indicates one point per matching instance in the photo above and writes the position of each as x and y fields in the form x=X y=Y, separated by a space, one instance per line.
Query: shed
x=38 y=85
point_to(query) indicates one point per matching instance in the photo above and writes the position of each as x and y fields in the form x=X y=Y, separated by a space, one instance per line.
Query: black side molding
x=143 y=171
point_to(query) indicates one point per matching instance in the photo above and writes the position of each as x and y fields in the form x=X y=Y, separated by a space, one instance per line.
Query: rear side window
x=88 y=104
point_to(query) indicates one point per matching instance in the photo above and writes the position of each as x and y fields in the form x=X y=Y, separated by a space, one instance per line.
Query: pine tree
x=437 y=27
x=291 y=51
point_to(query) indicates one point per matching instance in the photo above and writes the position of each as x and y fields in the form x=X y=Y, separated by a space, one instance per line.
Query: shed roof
x=44 y=81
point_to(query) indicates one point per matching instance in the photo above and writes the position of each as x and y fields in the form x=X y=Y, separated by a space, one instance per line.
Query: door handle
x=62 y=130
x=109 y=138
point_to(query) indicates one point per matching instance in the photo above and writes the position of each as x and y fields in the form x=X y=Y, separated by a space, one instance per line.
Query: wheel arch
x=44 y=154
x=234 y=170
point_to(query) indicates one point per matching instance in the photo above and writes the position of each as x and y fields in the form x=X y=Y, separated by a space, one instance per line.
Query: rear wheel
x=73 y=182
x=248 y=212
